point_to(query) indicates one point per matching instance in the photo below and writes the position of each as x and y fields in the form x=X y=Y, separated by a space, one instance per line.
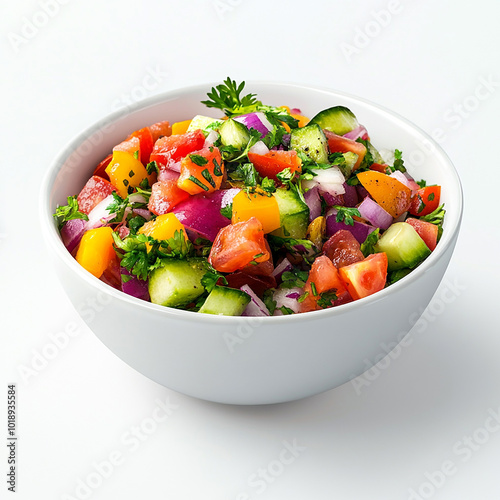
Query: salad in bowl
x=256 y=211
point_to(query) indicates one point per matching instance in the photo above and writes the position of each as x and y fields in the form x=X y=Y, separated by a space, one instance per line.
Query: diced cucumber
x=233 y=133
x=338 y=120
x=224 y=301
x=294 y=214
x=403 y=246
x=377 y=157
x=350 y=160
x=177 y=283
x=311 y=141
x=202 y=122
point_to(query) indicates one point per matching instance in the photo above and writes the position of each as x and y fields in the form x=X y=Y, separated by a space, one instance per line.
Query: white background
x=378 y=437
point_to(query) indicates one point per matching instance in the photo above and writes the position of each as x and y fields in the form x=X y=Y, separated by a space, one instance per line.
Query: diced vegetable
x=273 y=162
x=294 y=214
x=403 y=246
x=224 y=301
x=96 y=250
x=160 y=129
x=340 y=144
x=374 y=214
x=201 y=171
x=177 y=282
x=134 y=286
x=126 y=173
x=258 y=205
x=145 y=137
x=237 y=245
x=427 y=231
x=338 y=120
x=163 y=227
x=200 y=122
x=171 y=149
x=180 y=128
x=234 y=133
x=425 y=201
x=311 y=141
x=165 y=195
x=257 y=121
x=202 y=213
x=343 y=249
x=255 y=307
x=93 y=193
x=388 y=192
x=72 y=232
x=359 y=230
x=366 y=277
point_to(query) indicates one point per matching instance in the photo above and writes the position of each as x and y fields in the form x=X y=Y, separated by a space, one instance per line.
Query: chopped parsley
x=346 y=214
x=69 y=212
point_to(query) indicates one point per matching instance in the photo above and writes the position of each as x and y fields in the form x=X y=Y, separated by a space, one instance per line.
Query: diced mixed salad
x=258 y=212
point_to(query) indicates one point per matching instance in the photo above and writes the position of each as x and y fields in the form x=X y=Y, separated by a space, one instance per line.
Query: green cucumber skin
x=202 y=122
x=311 y=141
x=338 y=120
x=403 y=246
x=294 y=215
x=177 y=283
x=224 y=301
x=233 y=133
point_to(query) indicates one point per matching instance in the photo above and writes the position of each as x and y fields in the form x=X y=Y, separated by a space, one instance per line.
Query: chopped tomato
x=160 y=129
x=175 y=147
x=131 y=146
x=270 y=164
x=343 y=249
x=100 y=170
x=427 y=231
x=93 y=193
x=146 y=140
x=165 y=195
x=201 y=171
x=339 y=144
x=365 y=277
x=379 y=167
x=237 y=245
x=425 y=201
x=388 y=192
x=259 y=284
x=323 y=277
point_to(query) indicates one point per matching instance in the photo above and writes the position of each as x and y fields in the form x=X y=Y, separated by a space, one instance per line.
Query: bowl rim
x=52 y=236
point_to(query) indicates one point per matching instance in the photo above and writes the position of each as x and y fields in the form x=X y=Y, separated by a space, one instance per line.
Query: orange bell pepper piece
x=258 y=205
x=96 y=251
x=126 y=172
x=179 y=128
x=163 y=227
x=201 y=171
x=388 y=192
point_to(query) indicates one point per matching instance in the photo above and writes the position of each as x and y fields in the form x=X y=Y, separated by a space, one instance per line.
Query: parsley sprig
x=69 y=212
x=346 y=214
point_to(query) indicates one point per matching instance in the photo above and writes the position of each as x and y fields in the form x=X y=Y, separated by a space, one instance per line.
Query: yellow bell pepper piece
x=163 y=227
x=180 y=127
x=303 y=120
x=126 y=173
x=258 y=205
x=96 y=252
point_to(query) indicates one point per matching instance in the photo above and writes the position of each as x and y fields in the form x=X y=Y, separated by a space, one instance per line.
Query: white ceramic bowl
x=250 y=360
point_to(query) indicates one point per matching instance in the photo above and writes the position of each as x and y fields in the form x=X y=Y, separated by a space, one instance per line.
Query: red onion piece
x=362 y=192
x=401 y=177
x=313 y=202
x=174 y=165
x=133 y=285
x=99 y=215
x=328 y=180
x=259 y=148
x=255 y=307
x=295 y=111
x=257 y=121
x=201 y=212
x=359 y=132
x=143 y=212
x=282 y=298
x=166 y=174
x=72 y=232
x=333 y=200
x=282 y=267
x=137 y=198
x=123 y=232
x=374 y=213
x=359 y=230
x=350 y=196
